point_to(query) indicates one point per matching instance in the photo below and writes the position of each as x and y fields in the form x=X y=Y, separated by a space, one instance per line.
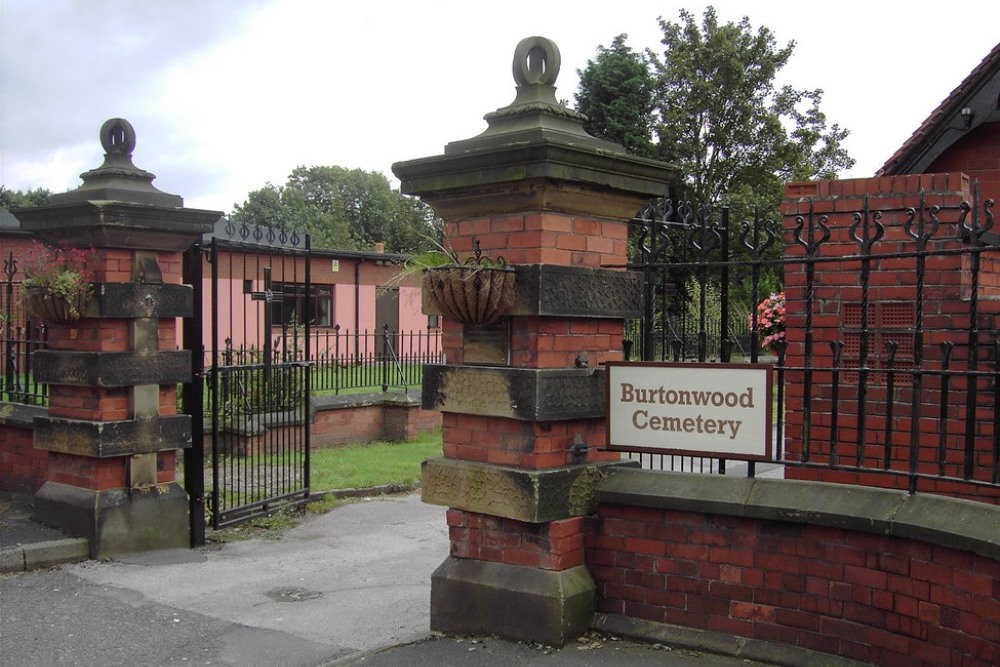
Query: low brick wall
x=871 y=575
x=22 y=467
x=337 y=420
x=350 y=418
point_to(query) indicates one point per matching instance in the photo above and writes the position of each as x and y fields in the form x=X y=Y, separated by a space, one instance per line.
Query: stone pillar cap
x=535 y=115
x=118 y=179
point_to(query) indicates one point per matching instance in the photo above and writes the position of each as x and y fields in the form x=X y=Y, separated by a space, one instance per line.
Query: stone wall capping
x=532 y=496
x=726 y=495
x=528 y=394
x=19 y=414
x=948 y=522
x=952 y=522
x=138 y=300
x=117 y=224
x=576 y=291
x=495 y=165
x=112 y=369
x=402 y=399
x=112 y=438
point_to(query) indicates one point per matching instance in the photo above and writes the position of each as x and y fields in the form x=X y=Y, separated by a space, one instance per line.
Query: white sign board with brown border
x=713 y=410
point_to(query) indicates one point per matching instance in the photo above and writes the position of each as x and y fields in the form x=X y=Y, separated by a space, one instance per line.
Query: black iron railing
x=891 y=365
x=20 y=338
x=351 y=361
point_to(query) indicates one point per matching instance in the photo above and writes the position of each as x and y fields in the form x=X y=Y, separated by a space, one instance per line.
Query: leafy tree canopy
x=23 y=199
x=716 y=111
x=616 y=95
x=343 y=208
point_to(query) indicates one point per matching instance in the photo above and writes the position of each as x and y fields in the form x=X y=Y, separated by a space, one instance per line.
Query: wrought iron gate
x=249 y=400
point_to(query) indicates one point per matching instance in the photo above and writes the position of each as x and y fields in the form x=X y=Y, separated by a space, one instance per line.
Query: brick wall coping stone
x=118 y=224
x=19 y=415
x=949 y=522
x=395 y=398
x=435 y=176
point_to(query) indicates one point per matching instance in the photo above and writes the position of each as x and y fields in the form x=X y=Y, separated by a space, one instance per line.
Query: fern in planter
x=477 y=291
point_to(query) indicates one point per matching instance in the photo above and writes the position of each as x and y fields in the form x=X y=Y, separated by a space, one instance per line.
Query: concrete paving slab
x=368 y=565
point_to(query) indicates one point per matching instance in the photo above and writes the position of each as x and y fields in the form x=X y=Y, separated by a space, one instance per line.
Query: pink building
x=356 y=291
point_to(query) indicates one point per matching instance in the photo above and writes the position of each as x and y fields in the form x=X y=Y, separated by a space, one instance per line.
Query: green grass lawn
x=371 y=464
x=357 y=466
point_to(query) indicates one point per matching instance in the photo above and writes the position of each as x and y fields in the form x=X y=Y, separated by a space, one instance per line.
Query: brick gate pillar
x=523 y=400
x=112 y=431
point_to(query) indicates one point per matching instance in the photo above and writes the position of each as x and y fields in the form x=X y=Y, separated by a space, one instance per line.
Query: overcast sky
x=228 y=95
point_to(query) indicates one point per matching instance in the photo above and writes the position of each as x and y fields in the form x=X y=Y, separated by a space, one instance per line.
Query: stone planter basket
x=471 y=293
x=53 y=308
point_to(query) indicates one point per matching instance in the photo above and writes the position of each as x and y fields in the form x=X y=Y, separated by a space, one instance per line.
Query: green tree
x=722 y=119
x=616 y=95
x=23 y=198
x=343 y=208
x=715 y=111
x=286 y=208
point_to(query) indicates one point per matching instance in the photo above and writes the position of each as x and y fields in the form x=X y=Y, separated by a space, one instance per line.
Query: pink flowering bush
x=770 y=320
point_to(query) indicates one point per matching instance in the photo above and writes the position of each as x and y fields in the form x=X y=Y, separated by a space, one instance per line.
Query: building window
x=291 y=309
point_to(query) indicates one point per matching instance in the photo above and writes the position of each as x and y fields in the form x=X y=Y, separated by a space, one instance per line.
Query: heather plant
x=60 y=272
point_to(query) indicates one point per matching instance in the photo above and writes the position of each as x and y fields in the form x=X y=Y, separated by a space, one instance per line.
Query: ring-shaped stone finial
x=536 y=60
x=118 y=136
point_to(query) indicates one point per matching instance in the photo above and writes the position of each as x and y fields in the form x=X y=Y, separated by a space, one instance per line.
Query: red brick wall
x=892 y=295
x=874 y=598
x=379 y=421
x=22 y=467
x=977 y=154
x=542 y=238
x=512 y=442
x=402 y=423
x=348 y=424
x=555 y=545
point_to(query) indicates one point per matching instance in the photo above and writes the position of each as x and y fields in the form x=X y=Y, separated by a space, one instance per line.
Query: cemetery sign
x=715 y=410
